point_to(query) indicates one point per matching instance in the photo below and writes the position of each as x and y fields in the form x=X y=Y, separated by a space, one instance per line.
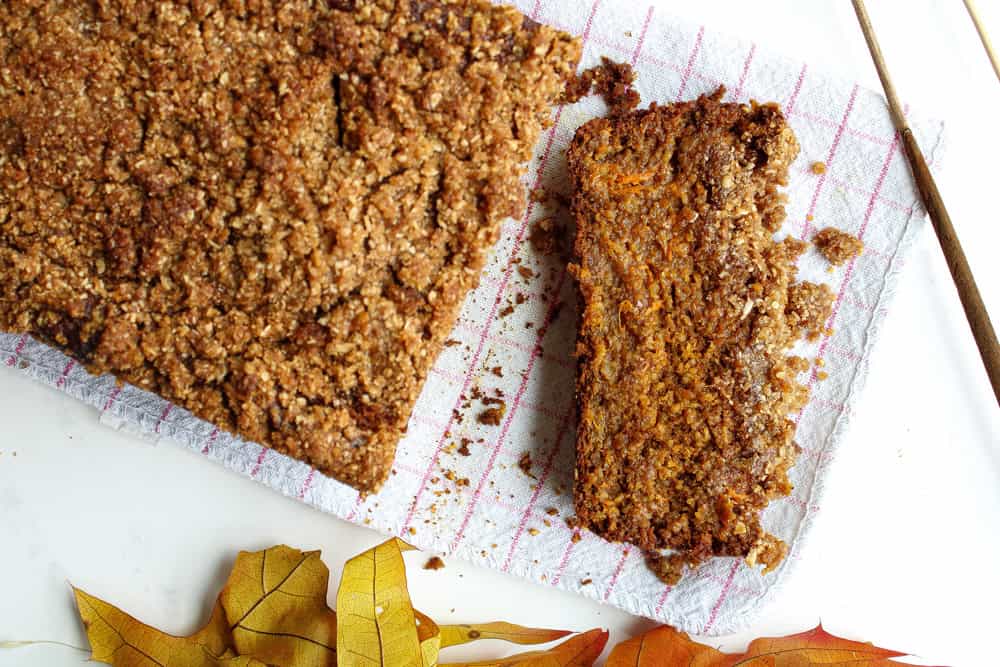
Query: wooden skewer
x=981 y=29
x=968 y=292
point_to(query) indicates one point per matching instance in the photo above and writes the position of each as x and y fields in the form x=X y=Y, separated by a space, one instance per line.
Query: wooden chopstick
x=981 y=29
x=968 y=292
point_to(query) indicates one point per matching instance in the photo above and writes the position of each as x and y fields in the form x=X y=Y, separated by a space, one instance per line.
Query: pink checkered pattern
x=483 y=507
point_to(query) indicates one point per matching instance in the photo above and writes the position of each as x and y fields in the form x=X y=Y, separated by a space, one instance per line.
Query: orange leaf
x=454 y=635
x=814 y=647
x=663 y=646
x=579 y=651
x=667 y=646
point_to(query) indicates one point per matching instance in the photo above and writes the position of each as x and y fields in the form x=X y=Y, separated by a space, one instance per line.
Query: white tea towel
x=463 y=488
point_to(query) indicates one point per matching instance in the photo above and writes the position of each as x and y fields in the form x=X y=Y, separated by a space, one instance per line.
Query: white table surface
x=906 y=552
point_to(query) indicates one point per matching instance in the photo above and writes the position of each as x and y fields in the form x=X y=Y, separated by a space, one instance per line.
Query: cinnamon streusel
x=268 y=212
x=685 y=387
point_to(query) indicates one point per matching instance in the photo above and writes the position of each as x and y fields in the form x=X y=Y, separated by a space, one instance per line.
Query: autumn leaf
x=666 y=646
x=117 y=638
x=816 y=647
x=661 y=646
x=273 y=611
x=276 y=610
x=377 y=623
x=429 y=636
x=454 y=635
x=579 y=651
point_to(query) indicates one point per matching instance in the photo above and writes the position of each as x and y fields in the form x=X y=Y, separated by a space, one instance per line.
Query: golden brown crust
x=269 y=212
x=684 y=386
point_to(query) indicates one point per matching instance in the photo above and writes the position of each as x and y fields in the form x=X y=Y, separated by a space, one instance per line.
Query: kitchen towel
x=500 y=494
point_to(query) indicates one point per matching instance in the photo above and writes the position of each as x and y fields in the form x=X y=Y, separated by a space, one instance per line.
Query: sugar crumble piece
x=434 y=563
x=524 y=463
x=809 y=307
x=837 y=246
x=547 y=237
x=491 y=416
x=612 y=81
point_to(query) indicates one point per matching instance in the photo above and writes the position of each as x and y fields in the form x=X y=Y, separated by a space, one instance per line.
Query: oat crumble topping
x=685 y=386
x=269 y=213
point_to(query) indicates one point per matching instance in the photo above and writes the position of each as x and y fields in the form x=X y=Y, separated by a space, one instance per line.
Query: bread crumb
x=546 y=236
x=817 y=168
x=808 y=307
x=837 y=246
x=492 y=416
x=434 y=563
x=524 y=463
x=612 y=81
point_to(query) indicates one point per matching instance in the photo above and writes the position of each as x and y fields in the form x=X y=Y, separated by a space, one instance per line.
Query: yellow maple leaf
x=119 y=639
x=273 y=611
x=377 y=625
x=276 y=610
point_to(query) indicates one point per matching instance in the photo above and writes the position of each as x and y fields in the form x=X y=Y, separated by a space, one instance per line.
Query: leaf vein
x=288 y=634
x=747 y=660
x=267 y=593
x=125 y=642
